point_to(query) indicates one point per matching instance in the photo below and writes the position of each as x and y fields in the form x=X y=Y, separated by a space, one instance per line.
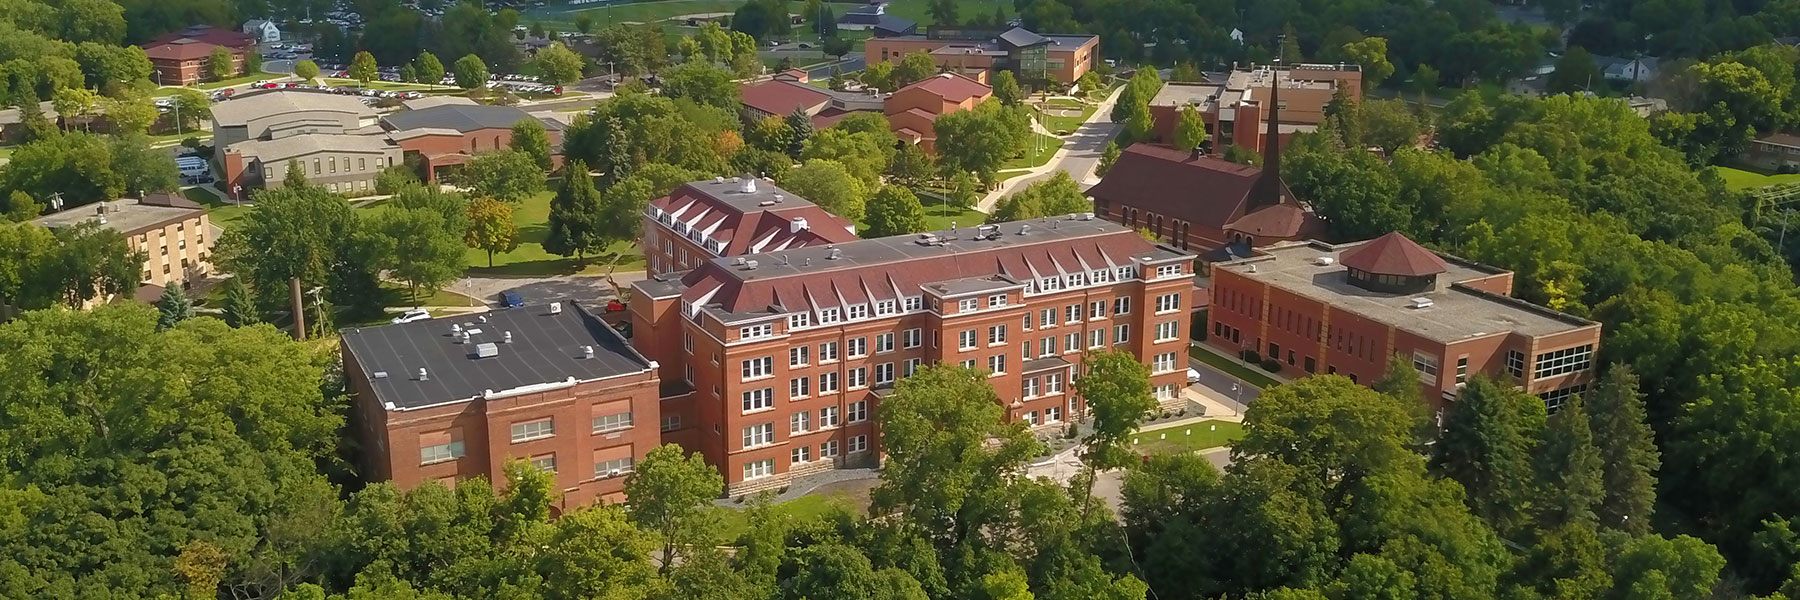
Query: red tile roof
x=779 y=97
x=1393 y=254
x=745 y=229
x=205 y=34
x=952 y=87
x=181 y=49
x=1204 y=190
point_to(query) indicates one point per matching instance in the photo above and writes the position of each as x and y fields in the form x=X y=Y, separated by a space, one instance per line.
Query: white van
x=192 y=166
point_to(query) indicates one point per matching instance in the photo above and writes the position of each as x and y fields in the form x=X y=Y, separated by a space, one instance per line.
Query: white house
x=1637 y=70
x=263 y=30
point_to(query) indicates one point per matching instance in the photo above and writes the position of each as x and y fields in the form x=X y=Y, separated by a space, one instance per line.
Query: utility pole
x=299 y=309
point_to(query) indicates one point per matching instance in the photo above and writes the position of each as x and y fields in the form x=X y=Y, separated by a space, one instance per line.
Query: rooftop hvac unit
x=422 y=375
x=506 y=337
x=380 y=374
x=798 y=225
x=556 y=308
x=928 y=239
x=766 y=203
x=749 y=265
x=834 y=254
x=1087 y=216
x=487 y=350
x=747 y=185
x=779 y=198
x=587 y=351
x=1324 y=261
x=1419 y=302
x=1024 y=229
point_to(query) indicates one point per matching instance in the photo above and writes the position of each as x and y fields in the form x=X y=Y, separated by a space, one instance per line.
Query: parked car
x=1193 y=377
x=511 y=299
x=410 y=316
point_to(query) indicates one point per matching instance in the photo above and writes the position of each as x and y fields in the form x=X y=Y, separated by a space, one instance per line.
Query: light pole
x=1237 y=393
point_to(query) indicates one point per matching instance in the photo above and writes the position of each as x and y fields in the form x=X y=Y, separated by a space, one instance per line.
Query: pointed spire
x=1272 y=140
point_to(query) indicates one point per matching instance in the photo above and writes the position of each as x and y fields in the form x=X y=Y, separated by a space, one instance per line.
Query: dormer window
x=799 y=320
x=828 y=315
x=859 y=312
x=886 y=307
x=915 y=303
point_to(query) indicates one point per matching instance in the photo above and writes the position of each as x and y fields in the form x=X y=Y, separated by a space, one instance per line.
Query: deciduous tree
x=220 y=64
x=1006 y=89
x=470 y=72
x=1058 y=195
x=557 y=65
x=672 y=496
x=894 y=210
x=828 y=184
x=506 y=175
x=1190 y=131
x=915 y=66
x=306 y=70
x=363 y=68
x=429 y=69
x=491 y=227
x=529 y=137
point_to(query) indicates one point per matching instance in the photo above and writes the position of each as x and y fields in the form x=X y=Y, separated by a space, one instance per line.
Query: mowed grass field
x=531 y=259
x=647 y=12
x=1191 y=437
x=1738 y=179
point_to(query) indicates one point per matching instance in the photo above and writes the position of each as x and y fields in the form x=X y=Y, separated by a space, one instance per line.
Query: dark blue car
x=511 y=300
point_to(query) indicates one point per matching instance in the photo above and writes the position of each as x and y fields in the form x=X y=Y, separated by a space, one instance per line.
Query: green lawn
x=1191 y=437
x=222 y=213
x=1036 y=153
x=1738 y=179
x=642 y=12
x=213 y=85
x=395 y=295
x=734 y=522
x=940 y=216
x=1251 y=374
x=1061 y=124
x=918 y=10
x=530 y=258
x=386 y=85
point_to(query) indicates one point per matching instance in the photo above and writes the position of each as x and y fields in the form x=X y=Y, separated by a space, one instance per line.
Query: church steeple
x=1267 y=190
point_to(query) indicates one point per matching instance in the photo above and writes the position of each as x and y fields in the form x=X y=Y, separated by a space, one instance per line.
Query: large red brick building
x=703 y=220
x=453 y=398
x=185 y=57
x=1345 y=309
x=976 y=53
x=912 y=111
x=1241 y=109
x=1204 y=203
x=786 y=354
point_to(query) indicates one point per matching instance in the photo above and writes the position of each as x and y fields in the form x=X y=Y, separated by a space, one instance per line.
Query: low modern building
x=333 y=138
x=1031 y=57
x=786 y=355
x=266 y=114
x=453 y=398
x=1201 y=202
x=788 y=92
x=703 y=220
x=171 y=230
x=185 y=57
x=873 y=17
x=1320 y=308
x=1237 y=109
x=912 y=111
x=451 y=134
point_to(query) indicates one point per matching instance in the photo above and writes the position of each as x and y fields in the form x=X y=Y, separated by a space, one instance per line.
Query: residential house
x=264 y=30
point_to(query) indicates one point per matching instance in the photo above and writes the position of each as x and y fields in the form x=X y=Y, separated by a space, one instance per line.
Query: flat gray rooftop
x=545 y=348
x=1184 y=94
x=1455 y=314
x=727 y=192
x=128 y=217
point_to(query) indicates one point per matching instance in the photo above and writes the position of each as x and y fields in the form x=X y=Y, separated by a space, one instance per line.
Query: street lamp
x=1238 y=397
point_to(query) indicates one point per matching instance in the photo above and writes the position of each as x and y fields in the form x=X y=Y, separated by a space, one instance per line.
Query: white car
x=412 y=315
x=1193 y=377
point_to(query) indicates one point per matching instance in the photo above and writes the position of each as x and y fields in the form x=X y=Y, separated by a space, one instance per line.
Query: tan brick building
x=786 y=355
x=453 y=398
x=173 y=231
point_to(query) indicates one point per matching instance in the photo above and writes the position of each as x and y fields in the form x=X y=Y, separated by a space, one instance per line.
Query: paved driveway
x=853 y=62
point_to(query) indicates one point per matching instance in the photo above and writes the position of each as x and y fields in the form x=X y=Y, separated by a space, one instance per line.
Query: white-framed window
x=1515 y=363
x=1072 y=313
x=1427 y=366
x=858 y=346
x=761 y=434
x=1559 y=362
x=1168 y=303
x=1163 y=363
x=828 y=315
x=914 y=303
x=887 y=307
x=884 y=343
x=1100 y=276
x=441 y=452
x=1053 y=383
x=1122 y=305
x=759 y=399
x=1097 y=337
x=1048 y=346
x=996 y=334
x=799 y=387
x=1074 y=279
x=1166 y=392
x=671 y=422
x=965 y=339
x=859 y=312
x=968 y=304
x=687 y=342
x=1050 y=284
x=1031 y=418
x=614 y=468
x=828 y=352
x=1047 y=318
x=829 y=449
x=1072 y=342
x=997 y=300
x=799 y=356
x=756 y=331
x=1168 y=330
x=533 y=430
x=968 y=364
x=800 y=422
x=859 y=443
x=798 y=320
x=801 y=455
x=1053 y=414
x=1121 y=334
x=1126 y=272
x=859 y=411
x=912 y=338
x=759 y=469
x=828 y=383
x=1028 y=315
x=546 y=462
x=612 y=422
x=858 y=378
x=997 y=364
x=1168 y=271
x=909 y=367
x=828 y=417
x=757 y=368
x=884 y=373
x=1462 y=370
x=1030 y=387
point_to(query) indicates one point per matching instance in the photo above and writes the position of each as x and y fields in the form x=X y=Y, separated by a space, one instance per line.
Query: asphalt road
x=855 y=63
x=1084 y=148
x=1221 y=384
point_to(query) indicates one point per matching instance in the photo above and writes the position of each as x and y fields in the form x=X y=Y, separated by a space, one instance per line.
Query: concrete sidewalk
x=1079 y=155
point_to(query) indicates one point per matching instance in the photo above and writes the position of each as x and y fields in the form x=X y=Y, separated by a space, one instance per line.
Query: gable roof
x=461 y=117
x=763 y=220
x=1204 y=189
x=951 y=87
x=1393 y=254
x=781 y=97
x=1020 y=37
x=205 y=34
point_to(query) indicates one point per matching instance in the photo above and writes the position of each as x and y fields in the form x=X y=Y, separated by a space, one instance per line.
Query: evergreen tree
x=1569 y=469
x=800 y=128
x=1489 y=441
x=575 y=215
x=1007 y=90
x=295 y=176
x=1628 y=454
x=173 y=308
x=1190 y=131
x=1108 y=157
x=240 y=304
